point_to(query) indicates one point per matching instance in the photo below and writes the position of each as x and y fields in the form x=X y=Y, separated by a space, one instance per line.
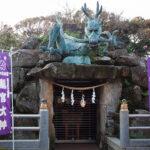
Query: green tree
x=8 y=38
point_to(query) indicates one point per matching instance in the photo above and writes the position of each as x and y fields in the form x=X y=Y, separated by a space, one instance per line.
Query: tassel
x=83 y=102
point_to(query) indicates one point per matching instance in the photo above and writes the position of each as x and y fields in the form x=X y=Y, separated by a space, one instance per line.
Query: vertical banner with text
x=5 y=81
x=148 y=71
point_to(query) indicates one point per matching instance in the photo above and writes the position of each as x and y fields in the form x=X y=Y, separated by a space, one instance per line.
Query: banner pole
x=12 y=103
x=148 y=72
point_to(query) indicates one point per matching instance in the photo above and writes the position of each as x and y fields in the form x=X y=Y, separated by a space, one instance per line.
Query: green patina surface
x=75 y=50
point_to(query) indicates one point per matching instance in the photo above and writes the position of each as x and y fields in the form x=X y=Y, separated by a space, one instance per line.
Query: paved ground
x=76 y=147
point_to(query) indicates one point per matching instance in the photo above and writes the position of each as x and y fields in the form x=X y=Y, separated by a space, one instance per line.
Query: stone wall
x=109 y=101
x=26 y=90
x=31 y=62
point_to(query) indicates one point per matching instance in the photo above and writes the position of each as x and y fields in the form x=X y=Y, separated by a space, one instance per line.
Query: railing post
x=124 y=125
x=44 y=126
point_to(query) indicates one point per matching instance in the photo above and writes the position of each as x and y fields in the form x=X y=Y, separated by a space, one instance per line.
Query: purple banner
x=5 y=80
x=148 y=70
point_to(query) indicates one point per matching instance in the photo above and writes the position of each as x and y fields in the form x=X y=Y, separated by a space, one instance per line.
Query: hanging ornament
x=93 y=96
x=83 y=102
x=72 y=98
x=63 y=95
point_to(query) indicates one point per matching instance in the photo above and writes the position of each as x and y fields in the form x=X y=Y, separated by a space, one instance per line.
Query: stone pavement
x=76 y=147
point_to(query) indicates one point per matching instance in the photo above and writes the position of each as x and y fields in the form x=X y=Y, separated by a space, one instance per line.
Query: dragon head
x=93 y=28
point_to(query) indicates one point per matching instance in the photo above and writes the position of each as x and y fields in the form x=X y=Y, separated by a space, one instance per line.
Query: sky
x=13 y=11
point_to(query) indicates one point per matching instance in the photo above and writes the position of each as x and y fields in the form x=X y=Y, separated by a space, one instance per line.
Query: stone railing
x=42 y=143
x=125 y=142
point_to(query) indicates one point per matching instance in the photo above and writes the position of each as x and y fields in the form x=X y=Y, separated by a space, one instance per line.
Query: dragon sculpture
x=75 y=50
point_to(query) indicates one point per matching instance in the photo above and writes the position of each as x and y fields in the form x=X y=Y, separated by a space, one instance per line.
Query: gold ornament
x=124 y=105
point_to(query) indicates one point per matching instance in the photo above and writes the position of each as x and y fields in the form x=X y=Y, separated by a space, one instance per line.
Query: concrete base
x=114 y=144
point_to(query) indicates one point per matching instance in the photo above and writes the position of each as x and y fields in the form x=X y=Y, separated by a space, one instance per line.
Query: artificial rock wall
x=34 y=72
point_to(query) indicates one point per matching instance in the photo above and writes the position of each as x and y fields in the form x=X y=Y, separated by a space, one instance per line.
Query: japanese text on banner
x=5 y=80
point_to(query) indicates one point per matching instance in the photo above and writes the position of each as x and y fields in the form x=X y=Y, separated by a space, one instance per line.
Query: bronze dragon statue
x=75 y=50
